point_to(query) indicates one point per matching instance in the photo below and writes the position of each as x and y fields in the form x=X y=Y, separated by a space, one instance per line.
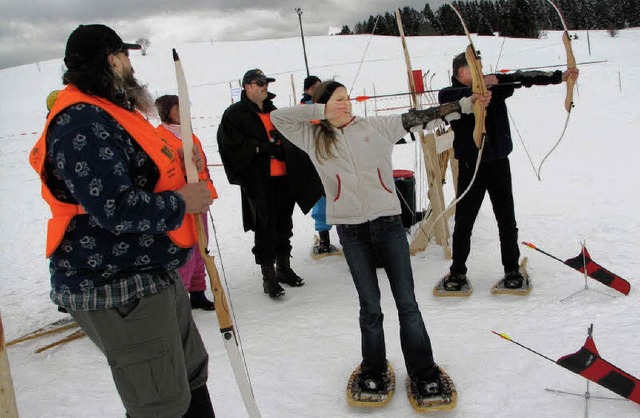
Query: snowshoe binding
x=515 y=282
x=453 y=284
x=371 y=390
x=434 y=392
x=322 y=247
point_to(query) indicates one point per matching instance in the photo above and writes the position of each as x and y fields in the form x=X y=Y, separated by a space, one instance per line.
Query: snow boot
x=200 y=405
x=455 y=281
x=513 y=280
x=323 y=247
x=200 y=301
x=269 y=281
x=427 y=385
x=432 y=391
x=373 y=383
x=284 y=273
x=371 y=390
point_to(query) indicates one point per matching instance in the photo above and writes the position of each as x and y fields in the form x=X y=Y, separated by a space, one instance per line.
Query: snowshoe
x=321 y=250
x=432 y=394
x=371 y=391
x=515 y=283
x=453 y=285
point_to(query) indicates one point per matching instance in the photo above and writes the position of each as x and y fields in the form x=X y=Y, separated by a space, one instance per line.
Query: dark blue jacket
x=498 y=143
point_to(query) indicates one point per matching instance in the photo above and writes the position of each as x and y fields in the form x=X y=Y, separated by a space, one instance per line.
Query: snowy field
x=301 y=349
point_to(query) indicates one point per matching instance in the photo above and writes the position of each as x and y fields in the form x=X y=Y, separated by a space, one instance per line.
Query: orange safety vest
x=161 y=153
x=278 y=168
x=175 y=142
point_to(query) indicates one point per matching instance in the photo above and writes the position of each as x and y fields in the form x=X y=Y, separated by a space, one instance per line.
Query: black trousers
x=493 y=177
x=273 y=238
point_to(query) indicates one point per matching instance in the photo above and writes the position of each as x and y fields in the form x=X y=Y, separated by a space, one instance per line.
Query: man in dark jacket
x=273 y=175
x=494 y=173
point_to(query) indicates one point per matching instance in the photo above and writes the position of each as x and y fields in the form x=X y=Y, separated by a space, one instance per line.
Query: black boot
x=323 y=246
x=269 y=281
x=200 y=301
x=325 y=241
x=200 y=405
x=284 y=273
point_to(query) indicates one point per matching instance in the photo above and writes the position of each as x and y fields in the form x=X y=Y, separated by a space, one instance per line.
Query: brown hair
x=459 y=61
x=164 y=105
x=325 y=135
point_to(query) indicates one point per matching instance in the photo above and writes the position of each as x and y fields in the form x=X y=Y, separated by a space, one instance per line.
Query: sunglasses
x=260 y=83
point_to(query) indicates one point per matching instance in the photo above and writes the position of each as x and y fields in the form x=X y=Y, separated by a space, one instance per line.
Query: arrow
x=506 y=337
x=507 y=70
x=489 y=86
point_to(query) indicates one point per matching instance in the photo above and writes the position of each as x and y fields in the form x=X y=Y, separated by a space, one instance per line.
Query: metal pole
x=304 y=49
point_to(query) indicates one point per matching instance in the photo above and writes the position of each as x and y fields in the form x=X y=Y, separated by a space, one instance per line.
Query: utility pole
x=304 y=50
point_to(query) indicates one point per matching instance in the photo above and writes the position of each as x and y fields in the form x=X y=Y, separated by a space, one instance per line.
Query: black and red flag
x=584 y=264
x=587 y=363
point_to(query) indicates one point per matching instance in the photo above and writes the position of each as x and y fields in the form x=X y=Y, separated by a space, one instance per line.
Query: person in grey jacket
x=353 y=158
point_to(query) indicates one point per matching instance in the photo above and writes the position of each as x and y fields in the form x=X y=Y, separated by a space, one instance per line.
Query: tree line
x=513 y=18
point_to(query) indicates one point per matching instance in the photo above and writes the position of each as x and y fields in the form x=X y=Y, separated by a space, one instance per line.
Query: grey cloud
x=36 y=30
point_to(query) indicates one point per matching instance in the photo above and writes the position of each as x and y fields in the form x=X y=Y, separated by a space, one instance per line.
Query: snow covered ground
x=301 y=349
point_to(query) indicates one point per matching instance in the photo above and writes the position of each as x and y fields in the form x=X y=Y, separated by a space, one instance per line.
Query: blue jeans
x=363 y=244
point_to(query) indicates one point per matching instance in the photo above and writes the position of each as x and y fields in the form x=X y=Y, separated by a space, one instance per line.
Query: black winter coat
x=240 y=133
x=498 y=143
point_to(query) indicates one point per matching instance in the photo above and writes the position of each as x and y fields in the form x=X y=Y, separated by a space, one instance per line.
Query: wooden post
x=293 y=88
x=434 y=176
x=8 y=407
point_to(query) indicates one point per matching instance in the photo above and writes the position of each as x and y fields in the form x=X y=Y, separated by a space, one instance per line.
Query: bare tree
x=144 y=42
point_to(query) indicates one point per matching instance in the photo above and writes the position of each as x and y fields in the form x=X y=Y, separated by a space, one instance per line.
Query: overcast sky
x=37 y=30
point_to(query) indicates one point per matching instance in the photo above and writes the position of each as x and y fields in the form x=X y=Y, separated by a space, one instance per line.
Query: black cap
x=255 y=74
x=310 y=81
x=88 y=42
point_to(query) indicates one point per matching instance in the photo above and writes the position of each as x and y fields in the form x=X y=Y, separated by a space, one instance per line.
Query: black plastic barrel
x=405 y=183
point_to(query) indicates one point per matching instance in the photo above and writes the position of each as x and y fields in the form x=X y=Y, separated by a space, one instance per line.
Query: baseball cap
x=255 y=74
x=88 y=42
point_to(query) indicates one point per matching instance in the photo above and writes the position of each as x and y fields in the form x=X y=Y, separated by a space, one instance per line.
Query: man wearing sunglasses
x=121 y=225
x=273 y=176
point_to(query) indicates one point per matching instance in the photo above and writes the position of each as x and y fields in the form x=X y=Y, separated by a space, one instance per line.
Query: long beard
x=136 y=94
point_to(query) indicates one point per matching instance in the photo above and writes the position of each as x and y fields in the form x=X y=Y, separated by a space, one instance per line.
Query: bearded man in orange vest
x=121 y=225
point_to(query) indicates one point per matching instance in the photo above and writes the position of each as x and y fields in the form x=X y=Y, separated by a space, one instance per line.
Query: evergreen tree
x=430 y=23
x=448 y=21
x=345 y=31
x=521 y=22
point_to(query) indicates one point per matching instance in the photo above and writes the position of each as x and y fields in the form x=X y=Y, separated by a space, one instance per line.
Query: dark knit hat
x=323 y=92
x=88 y=42
x=164 y=105
x=255 y=74
x=310 y=81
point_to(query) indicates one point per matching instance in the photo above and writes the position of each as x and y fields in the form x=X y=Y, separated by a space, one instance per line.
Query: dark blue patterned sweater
x=122 y=239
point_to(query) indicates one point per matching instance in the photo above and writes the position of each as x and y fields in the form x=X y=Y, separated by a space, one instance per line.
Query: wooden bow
x=571 y=81
x=224 y=311
x=477 y=82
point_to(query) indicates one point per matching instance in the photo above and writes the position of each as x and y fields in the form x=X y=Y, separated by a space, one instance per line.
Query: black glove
x=272 y=150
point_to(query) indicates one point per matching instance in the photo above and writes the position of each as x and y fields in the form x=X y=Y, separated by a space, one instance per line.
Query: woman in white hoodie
x=353 y=158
